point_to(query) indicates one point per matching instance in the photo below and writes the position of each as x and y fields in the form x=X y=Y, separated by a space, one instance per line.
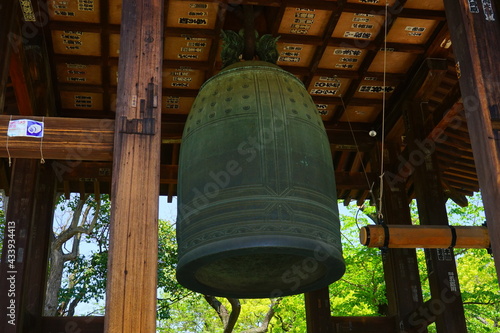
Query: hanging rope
x=381 y=194
x=42 y=160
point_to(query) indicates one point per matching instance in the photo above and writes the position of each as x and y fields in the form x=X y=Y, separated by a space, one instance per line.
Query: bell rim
x=190 y=263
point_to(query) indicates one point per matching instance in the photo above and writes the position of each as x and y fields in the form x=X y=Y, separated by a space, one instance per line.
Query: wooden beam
x=475 y=36
x=64 y=139
x=363 y=324
x=73 y=324
x=30 y=70
x=82 y=139
x=17 y=234
x=429 y=237
x=19 y=82
x=429 y=69
x=408 y=157
x=133 y=253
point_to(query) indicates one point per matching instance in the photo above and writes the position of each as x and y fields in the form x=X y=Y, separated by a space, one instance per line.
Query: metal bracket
x=146 y=123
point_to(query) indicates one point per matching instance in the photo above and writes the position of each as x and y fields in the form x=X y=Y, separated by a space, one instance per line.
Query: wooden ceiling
x=339 y=49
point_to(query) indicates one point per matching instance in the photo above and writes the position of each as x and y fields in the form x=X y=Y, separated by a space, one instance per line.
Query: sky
x=167 y=211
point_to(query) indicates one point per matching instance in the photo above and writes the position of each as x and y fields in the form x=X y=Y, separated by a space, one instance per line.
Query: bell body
x=257 y=207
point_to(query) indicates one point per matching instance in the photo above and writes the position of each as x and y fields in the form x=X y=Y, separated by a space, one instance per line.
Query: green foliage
x=361 y=291
x=290 y=316
x=480 y=294
x=86 y=278
x=476 y=272
x=190 y=315
x=171 y=291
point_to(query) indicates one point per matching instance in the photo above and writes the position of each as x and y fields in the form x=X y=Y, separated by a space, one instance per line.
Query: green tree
x=73 y=277
x=476 y=273
x=360 y=292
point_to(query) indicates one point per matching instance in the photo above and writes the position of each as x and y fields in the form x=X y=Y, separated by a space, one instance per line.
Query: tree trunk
x=77 y=226
x=54 y=282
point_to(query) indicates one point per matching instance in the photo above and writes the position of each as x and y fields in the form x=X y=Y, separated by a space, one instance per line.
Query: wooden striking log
x=429 y=237
x=64 y=139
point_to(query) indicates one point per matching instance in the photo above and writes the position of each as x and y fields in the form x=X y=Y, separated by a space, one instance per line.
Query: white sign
x=25 y=127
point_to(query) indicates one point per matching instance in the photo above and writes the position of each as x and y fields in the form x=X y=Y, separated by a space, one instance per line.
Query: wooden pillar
x=446 y=306
x=404 y=291
x=37 y=254
x=131 y=288
x=318 y=315
x=475 y=34
x=18 y=223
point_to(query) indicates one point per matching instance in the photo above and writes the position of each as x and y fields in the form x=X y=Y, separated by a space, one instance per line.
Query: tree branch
x=481 y=303
x=66 y=235
x=75 y=228
x=95 y=218
x=233 y=316
x=267 y=319
x=219 y=308
x=78 y=212
x=284 y=326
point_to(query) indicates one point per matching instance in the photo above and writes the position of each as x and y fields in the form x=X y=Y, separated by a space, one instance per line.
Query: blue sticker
x=34 y=129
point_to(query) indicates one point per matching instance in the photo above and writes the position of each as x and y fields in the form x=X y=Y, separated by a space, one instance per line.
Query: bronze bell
x=257 y=206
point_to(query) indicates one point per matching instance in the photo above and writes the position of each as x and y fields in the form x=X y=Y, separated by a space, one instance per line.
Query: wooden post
x=318 y=315
x=18 y=222
x=131 y=288
x=446 y=304
x=404 y=291
x=37 y=253
x=475 y=34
